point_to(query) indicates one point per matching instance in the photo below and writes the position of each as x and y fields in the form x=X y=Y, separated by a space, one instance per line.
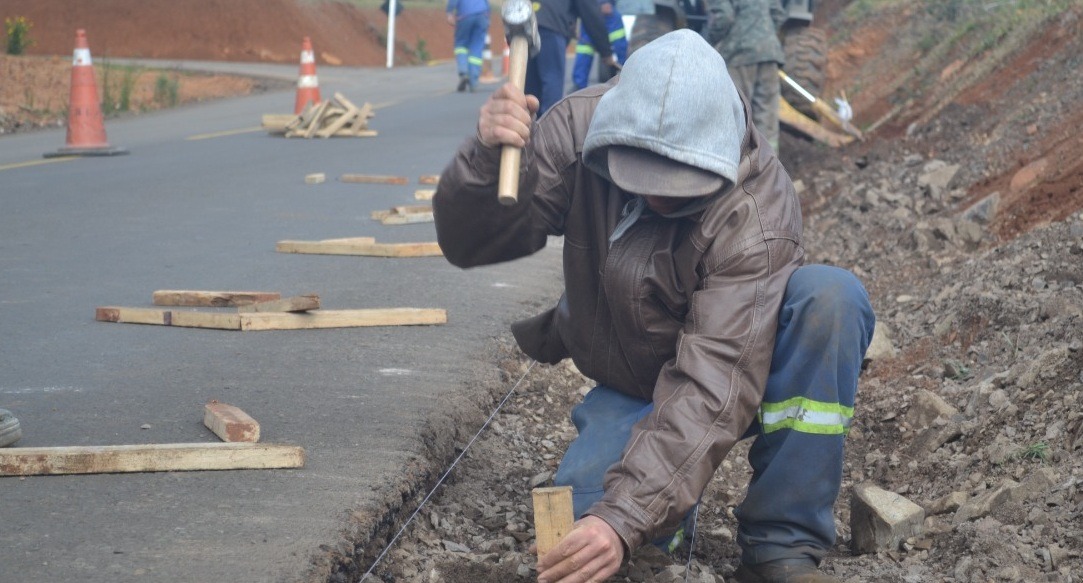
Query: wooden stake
x=211 y=299
x=373 y=179
x=553 y=516
x=134 y=315
x=167 y=457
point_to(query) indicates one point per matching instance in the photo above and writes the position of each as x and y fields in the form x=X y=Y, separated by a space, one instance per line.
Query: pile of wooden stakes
x=337 y=117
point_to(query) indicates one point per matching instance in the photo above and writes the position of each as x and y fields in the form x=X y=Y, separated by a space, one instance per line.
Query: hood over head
x=674 y=102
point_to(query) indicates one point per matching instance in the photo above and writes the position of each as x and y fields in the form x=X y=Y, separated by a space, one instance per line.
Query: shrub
x=18 y=34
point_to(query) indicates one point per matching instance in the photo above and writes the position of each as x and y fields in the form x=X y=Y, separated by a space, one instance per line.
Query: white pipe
x=391 y=33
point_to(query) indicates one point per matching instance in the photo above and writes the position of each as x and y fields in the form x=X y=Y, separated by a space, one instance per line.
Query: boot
x=10 y=432
x=783 y=571
x=464 y=82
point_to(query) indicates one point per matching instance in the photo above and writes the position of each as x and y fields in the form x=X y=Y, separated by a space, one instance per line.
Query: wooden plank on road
x=211 y=299
x=152 y=316
x=373 y=179
x=344 y=319
x=295 y=304
x=363 y=248
x=171 y=457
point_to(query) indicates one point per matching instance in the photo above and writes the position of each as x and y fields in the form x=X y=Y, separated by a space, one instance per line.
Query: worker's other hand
x=613 y=62
x=451 y=19
x=506 y=116
x=592 y=551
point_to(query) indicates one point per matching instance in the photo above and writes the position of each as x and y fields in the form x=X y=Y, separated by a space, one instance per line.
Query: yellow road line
x=36 y=162
x=223 y=134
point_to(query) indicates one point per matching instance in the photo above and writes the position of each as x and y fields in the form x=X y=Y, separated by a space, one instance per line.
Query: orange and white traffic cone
x=308 y=86
x=86 y=129
x=487 y=62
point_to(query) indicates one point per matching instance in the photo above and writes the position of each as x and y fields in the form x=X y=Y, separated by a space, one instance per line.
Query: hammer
x=521 y=28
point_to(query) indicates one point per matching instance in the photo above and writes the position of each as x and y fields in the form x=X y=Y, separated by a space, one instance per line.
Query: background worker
x=685 y=300
x=556 y=25
x=745 y=32
x=471 y=21
x=584 y=50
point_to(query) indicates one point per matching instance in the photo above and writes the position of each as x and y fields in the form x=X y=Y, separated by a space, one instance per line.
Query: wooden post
x=553 y=516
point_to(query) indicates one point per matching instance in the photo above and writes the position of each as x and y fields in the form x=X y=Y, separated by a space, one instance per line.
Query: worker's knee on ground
x=831 y=300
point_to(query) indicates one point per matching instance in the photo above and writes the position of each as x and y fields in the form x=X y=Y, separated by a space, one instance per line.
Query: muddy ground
x=963 y=214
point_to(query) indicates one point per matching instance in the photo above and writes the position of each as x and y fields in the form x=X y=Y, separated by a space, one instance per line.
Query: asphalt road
x=199 y=204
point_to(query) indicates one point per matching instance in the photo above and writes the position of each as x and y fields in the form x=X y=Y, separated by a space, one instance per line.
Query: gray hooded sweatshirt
x=681 y=311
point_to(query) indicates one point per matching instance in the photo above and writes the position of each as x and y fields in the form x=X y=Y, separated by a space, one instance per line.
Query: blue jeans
x=825 y=325
x=470 y=43
x=545 y=70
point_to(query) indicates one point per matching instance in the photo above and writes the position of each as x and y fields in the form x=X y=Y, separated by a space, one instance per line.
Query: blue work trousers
x=470 y=43
x=825 y=325
x=584 y=52
x=545 y=70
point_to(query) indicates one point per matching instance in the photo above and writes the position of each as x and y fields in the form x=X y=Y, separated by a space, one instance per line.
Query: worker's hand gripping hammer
x=523 y=41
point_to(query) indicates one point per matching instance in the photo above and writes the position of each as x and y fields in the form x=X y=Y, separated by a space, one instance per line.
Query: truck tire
x=649 y=27
x=806 y=63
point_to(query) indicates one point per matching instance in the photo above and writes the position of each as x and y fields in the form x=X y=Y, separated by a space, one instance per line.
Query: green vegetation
x=17 y=30
x=1036 y=451
x=122 y=100
x=166 y=90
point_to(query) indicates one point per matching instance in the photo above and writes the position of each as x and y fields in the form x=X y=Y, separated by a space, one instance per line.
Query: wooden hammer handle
x=508 y=186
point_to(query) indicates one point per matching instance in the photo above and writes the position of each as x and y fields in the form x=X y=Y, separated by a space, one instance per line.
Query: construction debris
x=230 y=423
x=405 y=215
x=317 y=178
x=295 y=304
x=274 y=320
x=170 y=457
x=337 y=117
x=211 y=299
x=373 y=179
x=881 y=520
x=364 y=246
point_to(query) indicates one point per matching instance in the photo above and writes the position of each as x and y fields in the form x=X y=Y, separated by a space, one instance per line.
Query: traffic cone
x=308 y=87
x=487 y=62
x=86 y=130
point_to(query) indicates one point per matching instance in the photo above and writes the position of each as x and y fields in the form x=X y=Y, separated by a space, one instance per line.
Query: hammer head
x=519 y=20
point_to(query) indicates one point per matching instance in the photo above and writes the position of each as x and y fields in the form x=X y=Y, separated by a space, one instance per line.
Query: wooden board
x=211 y=299
x=295 y=304
x=214 y=321
x=159 y=317
x=275 y=320
x=367 y=248
x=315 y=178
x=424 y=193
x=278 y=123
x=429 y=179
x=171 y=457
x=343 y=319
x=230 y=423
x=553 y=517
x=152 y=316
x=407 y=219
x=373 y=179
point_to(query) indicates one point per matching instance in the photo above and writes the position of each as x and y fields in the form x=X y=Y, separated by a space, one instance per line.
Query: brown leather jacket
x=679 y=311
